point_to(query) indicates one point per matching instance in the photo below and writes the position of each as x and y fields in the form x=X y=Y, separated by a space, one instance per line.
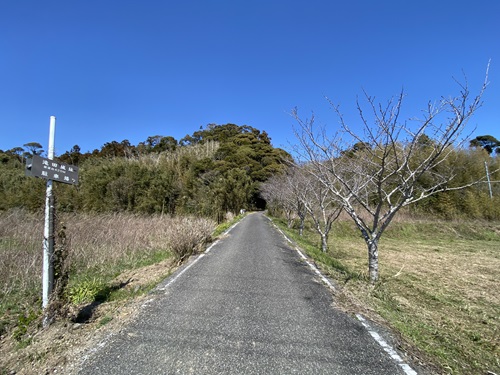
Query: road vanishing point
x=249 y=305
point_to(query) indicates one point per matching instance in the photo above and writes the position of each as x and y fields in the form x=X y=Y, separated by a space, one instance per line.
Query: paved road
x=249 y=306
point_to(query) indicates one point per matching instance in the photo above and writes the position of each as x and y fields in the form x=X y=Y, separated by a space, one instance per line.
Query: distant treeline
x=209 y=173
x=215 y=170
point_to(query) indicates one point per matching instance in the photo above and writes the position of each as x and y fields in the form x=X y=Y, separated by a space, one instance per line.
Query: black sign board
x=52 y=170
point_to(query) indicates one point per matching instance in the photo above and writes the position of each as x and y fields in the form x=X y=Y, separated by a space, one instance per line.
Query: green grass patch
x=88 y=290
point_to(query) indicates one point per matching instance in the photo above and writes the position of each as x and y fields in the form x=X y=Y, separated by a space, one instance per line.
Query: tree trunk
x=373 y=260
x=289 y=219
x=324 y=242
x=301 y=226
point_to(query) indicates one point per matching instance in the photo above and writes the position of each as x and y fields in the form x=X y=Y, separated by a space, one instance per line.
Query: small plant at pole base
x=87 y=291
x=23 y=324
x=388 y=164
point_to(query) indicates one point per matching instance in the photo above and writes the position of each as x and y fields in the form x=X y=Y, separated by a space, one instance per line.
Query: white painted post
x=48 y=231
x=488 y=177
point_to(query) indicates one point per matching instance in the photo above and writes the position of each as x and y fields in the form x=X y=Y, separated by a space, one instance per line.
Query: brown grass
x=108 y=239
x=100 y=245
x=439 y=288
x=20 y=252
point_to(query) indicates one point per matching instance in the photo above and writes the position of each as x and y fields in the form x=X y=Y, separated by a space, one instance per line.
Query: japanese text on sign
x=52 y=170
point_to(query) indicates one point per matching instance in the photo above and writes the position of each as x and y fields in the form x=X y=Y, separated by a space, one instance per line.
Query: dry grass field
x=100 y=247
x=439 y=286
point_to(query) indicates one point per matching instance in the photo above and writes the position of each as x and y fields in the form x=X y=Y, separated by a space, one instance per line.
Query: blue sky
x=115 y=70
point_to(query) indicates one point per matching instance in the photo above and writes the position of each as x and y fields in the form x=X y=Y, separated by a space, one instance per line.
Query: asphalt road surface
x=249 y=306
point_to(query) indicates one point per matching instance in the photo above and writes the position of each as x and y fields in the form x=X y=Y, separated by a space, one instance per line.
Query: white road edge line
x=182 y=272
x=105 y=341
x=387 y=348
x=198 y=258
x=313 y=267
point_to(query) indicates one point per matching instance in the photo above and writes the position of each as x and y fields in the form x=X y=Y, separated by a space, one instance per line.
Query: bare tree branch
x=390 y=163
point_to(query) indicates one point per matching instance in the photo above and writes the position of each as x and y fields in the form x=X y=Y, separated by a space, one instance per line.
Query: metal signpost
x=50 y=170
x=48 y=230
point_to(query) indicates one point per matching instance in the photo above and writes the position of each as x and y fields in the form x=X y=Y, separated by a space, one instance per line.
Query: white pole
x=48 y=235
x=488 y=177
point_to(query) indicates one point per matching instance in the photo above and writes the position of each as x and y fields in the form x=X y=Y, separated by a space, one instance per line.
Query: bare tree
x=319 y=203
x=390 y=163
x=284 y=192
x=276 y=191
x=297 y=194
x=296 y=187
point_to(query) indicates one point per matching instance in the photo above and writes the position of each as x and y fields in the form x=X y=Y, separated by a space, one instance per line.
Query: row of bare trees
x=297 y=195
x=373 y=172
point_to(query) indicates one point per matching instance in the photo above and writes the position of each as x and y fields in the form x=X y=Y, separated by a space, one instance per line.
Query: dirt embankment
x=62 y=346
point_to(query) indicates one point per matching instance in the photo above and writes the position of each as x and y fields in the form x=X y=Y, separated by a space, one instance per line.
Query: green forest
x=209 y=173
x=216 y=170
